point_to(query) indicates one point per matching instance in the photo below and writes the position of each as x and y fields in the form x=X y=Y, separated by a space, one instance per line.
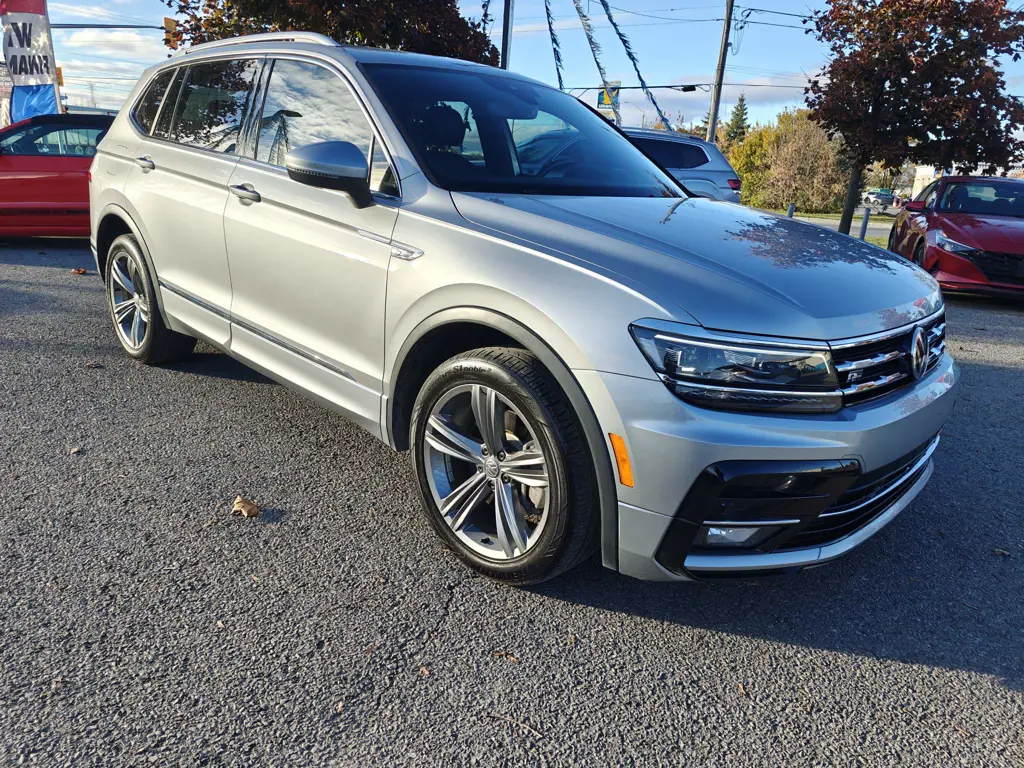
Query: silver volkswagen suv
x=577 y=355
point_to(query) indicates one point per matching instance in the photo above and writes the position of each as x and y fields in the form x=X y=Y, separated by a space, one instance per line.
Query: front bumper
x=671 y=443
x=958 y=274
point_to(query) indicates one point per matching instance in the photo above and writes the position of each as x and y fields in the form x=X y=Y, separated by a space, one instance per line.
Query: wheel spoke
x=458 y=504
x=526 y=467
x=138 y=332
x=510 y=522
x=123 y=310
x=446 y=440
x=489 y=412
x=122 y=279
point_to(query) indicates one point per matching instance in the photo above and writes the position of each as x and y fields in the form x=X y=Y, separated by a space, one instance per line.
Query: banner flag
x=28 y=50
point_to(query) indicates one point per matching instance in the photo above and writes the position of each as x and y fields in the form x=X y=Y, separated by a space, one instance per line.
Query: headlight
x=948 y=244
x=741 y=376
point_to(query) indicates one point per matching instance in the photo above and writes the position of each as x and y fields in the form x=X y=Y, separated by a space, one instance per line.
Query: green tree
x=918 y=80
x=424 y=26
x=737 y=127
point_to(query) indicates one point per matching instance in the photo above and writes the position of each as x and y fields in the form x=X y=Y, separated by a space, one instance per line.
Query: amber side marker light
x=622 y=460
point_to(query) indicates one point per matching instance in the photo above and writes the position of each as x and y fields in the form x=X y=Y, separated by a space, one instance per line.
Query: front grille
x=1000 y=267
x=872 y=494
x=873 y=368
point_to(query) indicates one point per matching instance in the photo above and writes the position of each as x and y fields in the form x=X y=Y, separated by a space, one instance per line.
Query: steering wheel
x=554 y=164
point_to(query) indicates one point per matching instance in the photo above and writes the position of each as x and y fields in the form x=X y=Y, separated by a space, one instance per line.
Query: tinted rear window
x=212 y=104
x=146 y=110
x=673 y=154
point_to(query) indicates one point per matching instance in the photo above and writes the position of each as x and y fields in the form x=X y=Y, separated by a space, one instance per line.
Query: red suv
x=968 y=231
x=44 y=174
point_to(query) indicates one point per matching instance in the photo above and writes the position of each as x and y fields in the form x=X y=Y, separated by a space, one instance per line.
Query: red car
x=44 y=174
x=968 y=231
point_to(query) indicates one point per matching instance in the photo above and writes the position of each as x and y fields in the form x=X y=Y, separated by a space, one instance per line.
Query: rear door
x=179 y=186
x=44 y=188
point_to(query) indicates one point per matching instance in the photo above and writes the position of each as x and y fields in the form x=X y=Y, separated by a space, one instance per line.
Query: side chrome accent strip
x=189 y=296
x=750 y=523
x=295 y=349
x=803 y=557
x=405 y=252
x=867 y=386
x=373 y=236
x=869 y=362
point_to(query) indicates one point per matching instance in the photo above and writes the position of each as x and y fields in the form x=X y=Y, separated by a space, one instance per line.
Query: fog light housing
x=734 y=536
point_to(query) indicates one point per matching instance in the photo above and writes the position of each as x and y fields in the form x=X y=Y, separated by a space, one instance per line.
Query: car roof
x=979 y=178
x=648 y=133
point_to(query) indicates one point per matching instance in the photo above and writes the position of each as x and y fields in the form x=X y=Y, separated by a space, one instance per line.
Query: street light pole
x=506 y=33
x=716 y=94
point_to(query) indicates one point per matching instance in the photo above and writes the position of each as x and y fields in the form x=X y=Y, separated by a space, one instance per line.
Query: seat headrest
x=443 y=127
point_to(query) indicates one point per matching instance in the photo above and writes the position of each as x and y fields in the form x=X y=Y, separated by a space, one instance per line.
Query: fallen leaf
x=254 y=579
x=245 y=508
x=522 y=725
x=370 y=649
x=220 y=624
x=963 y=730
x=572 y=641
x=503 y=655
x=741 y=689
x=75 y=451
x=78 y=271
x=340 y=707
x=424 y=671
x=1000 y=552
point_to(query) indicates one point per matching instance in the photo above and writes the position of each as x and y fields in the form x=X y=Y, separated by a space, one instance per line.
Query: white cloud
x=112 y=43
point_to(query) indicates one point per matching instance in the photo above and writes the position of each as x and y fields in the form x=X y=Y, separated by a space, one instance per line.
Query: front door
x=309 y=268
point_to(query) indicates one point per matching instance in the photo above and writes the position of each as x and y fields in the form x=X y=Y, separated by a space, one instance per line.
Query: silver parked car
x=698 y=165
x=578 y=356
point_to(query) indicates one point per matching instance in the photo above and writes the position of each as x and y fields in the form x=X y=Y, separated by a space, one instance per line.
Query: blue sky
x=676 y=40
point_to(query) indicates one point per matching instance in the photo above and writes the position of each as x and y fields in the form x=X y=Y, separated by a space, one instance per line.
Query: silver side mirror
x=332 y=165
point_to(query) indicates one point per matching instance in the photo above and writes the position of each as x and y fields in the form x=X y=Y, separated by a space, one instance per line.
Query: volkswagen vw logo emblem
x=918 y=353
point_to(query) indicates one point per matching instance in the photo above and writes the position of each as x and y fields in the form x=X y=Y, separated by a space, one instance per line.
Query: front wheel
x=504 y=472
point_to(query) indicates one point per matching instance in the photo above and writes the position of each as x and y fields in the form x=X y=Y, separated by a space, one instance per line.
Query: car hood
x=1003 y=234
x=729 y=267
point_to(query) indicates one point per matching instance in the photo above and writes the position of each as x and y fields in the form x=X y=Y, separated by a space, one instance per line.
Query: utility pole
x=506 y=33
x=716 y=94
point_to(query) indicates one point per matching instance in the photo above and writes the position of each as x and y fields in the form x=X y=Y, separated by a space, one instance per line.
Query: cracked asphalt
x=142 y=624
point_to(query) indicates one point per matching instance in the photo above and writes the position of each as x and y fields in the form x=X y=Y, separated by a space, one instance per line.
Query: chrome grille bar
x=867 y=386
x=869 y=362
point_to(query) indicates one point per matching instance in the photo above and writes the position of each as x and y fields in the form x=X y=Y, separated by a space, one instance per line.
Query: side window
x=148 y=106
x=54 y=141
x=929 y=199
x=211 y=105
x=924 y=193
x=308 y=104
x=673 y=154
x=165 y=115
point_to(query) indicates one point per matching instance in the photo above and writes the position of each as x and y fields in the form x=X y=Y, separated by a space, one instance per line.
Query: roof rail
x=265 y=37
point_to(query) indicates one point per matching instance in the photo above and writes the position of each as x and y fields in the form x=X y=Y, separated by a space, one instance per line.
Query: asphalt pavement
x=142 y=624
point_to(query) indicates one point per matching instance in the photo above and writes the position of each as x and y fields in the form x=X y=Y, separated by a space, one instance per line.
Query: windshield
x=984 y=198
x=476 y=132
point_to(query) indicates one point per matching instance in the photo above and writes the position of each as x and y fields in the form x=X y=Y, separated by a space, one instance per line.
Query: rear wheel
x=131 y=301
x=892 y=239
x=919 y=254
x=504 y=473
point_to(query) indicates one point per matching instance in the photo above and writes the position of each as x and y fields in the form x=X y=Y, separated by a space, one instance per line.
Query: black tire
x=892 y=239
x=919 y=254
x=160 y=344
x=570 y=534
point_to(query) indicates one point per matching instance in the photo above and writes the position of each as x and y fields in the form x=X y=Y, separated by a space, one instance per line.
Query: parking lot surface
x=141 y=623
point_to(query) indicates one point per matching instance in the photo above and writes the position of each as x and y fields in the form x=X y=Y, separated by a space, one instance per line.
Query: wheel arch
x=114 y=221
x=460 y=329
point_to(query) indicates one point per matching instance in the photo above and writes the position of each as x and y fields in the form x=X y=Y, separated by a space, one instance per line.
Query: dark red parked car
x=44 y=174
x=968 y=231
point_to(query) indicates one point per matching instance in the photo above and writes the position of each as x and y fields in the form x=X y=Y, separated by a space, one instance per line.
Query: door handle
x=246 y=193
x=145 y=162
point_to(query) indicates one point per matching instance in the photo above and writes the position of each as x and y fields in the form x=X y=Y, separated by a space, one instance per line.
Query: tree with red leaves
x=918 y=80
x=424 y=26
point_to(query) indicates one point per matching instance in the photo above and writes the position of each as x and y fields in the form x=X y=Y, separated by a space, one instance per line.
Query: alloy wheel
x=128 y=301
x=487 y=472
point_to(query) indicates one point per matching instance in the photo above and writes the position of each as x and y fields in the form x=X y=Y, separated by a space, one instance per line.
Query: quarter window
x=149 y=105
x=211 y=106
x=308 y=104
